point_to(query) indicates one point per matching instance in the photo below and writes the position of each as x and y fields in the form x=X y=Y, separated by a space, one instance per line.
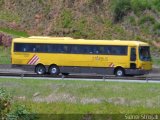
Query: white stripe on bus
x=34 y=59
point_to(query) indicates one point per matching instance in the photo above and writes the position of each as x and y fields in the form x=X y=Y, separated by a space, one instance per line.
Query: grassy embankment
x=14 y=33
x=5 y=55
x=91 y=19
x=82 y=97
x=5 y=52
x=122 y=19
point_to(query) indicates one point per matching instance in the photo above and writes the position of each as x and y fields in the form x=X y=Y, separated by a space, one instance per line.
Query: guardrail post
x=22 y=75
x=147 y=79
x=104 y=78
x=63 y=77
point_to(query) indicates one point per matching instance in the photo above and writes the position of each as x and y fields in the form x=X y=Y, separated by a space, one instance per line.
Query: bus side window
x=34 y=49
x=24 y=49
x=49 y=48
x=83 y=49
x=101 y=50
x=37 y=48
x=113 y=50
x=57 y=49
x=66 y=48
x=19 y=47
x=118 y=50
x=107 y=51
x=63 y=49
x=95 y=49
x=75 y=49
x=28 y=48
x=89 y=50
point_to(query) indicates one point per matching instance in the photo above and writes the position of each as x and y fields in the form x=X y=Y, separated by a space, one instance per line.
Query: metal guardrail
x=23 y=75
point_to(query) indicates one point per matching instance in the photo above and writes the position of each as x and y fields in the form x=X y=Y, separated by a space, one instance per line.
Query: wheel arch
x=118 y=67
x=39 y=64
x=54 y=65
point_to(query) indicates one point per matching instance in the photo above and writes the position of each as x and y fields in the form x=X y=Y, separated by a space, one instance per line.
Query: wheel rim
x=53 y=70
x=40 y=70
x=119 y=73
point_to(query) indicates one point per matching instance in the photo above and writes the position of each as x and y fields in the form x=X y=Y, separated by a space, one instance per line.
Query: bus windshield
x=144 y=53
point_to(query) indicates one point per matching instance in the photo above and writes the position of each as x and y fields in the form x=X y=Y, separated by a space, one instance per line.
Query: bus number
x=98 y=58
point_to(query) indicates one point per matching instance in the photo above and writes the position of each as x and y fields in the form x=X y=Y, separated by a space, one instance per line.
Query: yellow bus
x=55 y=55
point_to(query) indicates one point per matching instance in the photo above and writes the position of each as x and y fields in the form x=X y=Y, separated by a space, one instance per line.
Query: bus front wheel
x=119 y=72
x=40 y=69
x=54 y=70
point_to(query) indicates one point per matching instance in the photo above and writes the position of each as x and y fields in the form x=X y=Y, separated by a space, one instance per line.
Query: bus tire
x=119 y=72
x=40 y=69
x=54 y=70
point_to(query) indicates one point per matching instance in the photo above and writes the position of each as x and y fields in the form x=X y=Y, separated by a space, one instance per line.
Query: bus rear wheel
x=40 y=69
x=54 y=70
x=119 y=72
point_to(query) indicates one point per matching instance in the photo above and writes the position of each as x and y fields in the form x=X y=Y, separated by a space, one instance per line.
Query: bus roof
x=47 y=37
x=68 y=40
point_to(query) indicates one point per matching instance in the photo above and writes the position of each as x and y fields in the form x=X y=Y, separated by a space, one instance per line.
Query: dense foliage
x=5 y=104
x=92 y=19
x=89 y=19
x=5 y=40
x=122 y=7
x=7 y=112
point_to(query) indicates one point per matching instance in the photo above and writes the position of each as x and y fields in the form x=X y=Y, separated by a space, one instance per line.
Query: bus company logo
x=111 y=65
x=33 y=60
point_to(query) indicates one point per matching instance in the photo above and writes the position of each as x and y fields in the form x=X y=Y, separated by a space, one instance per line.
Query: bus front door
x=133 y=58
